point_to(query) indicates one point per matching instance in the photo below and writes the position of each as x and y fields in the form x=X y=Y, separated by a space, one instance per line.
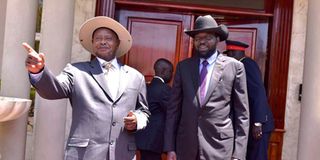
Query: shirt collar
x=161 y=79
x=114 y=62
x=211 y=59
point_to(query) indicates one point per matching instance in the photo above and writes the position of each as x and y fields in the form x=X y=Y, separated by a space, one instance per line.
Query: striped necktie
x=203 y=80
x=112 y=81
x=107 y=66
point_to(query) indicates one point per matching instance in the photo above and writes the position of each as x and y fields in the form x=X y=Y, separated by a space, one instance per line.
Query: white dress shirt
x=161 y=79
x=112 y=76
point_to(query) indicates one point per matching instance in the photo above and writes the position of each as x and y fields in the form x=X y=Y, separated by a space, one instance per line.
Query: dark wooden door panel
x=148 y=45
x=155 y=35
x=275 y=144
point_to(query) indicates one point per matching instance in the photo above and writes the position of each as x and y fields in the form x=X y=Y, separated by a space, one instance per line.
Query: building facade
x=283 y=32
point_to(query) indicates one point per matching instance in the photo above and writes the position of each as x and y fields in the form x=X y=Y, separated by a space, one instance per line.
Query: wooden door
x=155 y=35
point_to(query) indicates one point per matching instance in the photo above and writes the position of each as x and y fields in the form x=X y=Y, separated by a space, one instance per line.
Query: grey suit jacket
x=217 y=130
x=97 y=131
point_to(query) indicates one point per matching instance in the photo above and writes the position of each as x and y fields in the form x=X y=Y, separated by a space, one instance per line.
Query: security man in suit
x=208 y=115
x=108 y=98
x=261 y=118
x=150 y=140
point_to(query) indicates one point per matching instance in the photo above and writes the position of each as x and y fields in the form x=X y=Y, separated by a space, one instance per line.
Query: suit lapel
x=97 y=74
x=194 y=69
x=215 y=76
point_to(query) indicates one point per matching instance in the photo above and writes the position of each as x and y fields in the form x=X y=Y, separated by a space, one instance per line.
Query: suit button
x=114 y=123
x=111 y=142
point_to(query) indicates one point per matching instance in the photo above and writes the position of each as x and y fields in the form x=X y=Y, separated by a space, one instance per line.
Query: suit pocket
x=131 y=89
x=227 y=86
x=78 y=142
x=76 y=148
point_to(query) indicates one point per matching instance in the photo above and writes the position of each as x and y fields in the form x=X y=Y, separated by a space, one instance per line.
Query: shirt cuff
x=34 y=78
x=142 y=119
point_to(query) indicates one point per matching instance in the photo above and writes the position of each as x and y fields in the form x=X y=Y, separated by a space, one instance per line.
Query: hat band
x=233 y=47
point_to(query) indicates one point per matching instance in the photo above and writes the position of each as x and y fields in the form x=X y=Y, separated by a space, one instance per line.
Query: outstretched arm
x=46 y=84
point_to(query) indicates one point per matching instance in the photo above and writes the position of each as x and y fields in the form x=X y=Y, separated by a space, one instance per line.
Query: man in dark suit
x=150 y=140
x=261 y=119
x=108 y=98
x=208 y=115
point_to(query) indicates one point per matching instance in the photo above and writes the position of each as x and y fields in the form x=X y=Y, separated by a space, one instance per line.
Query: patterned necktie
x=203 y=80
x=108 y=66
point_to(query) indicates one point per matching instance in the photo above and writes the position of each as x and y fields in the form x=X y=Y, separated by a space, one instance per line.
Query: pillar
x=18 y=24
x=56 y=44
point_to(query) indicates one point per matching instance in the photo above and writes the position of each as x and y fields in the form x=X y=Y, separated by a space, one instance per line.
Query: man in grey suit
x=208 y=115
x=108 y=98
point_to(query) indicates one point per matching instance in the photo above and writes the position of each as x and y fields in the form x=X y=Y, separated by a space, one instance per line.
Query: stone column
x=309 y=139
x=3 y=6
x=18 y=20
x=56 y=44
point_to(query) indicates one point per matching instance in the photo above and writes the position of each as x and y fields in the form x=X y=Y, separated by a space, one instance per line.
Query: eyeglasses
x=206 y=38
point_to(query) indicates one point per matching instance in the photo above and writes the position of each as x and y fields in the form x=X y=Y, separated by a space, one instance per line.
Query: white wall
x=295 y=74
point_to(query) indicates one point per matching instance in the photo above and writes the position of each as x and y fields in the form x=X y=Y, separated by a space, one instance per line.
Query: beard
x=207 y=54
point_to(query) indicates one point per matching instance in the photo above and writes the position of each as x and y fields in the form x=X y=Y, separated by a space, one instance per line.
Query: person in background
x=261 y=118
x=150 y=140
x=208 y=115
x=108 y=98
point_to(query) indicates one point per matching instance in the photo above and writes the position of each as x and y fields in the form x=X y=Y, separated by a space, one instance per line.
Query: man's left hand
x=130 y=121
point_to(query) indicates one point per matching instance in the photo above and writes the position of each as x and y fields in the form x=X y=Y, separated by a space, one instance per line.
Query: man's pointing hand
x=34 y=61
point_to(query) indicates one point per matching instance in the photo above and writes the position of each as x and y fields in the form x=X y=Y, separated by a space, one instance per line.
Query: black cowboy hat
x=208 y=24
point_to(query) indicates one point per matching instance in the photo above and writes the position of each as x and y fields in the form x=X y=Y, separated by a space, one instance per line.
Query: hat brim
x=221 y=31
x=88 y=27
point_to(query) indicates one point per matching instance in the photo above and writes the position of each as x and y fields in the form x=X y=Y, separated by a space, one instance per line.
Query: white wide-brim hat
x=88 y=27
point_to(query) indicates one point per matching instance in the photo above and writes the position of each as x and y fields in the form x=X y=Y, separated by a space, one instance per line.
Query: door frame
x=279 y=13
